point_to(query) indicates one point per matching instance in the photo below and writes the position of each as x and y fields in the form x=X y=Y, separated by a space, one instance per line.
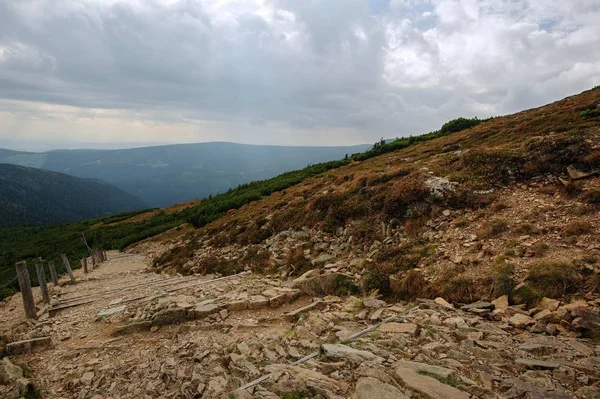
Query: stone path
x=151 y=336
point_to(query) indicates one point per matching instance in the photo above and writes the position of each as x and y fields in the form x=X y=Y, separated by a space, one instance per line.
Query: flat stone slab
x=537 y=364
x=258 y=301
x=110 y=312
x=133 y=328
x=400 y=328
x=344 y=352
x=203 y=310
x=428 y=387
x=170 y=316
x=27 y=346
x=238 y=305
x=293 y=315
x=439 y=371
x=369 y=388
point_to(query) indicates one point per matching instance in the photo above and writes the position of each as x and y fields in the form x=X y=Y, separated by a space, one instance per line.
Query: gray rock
x=344 y=352
x=368 y=388
x=429 y=387
x=537 y=364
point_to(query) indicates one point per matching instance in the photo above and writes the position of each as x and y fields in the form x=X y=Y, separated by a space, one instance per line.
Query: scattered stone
x=429 y=387
x=400 y=328
x=27 y=346
x=537 y=364
x=110 y=312
x=440 y=372
x=133 y=328
x=374 y=303
x=170 y=316
x=501 y=302
x=344 y=352
x=204 y=310
x=442 y=302
x=87 y=378
x=548 y=304
x=369 y=388
x=521 y=321
x=293 y=315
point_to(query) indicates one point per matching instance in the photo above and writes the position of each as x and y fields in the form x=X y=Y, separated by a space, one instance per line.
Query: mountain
x=30 y=196
x=165 y=175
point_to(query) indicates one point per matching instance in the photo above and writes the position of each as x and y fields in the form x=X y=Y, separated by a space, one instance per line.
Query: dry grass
x=577 y=228
x=554 y=278
x=493 y=228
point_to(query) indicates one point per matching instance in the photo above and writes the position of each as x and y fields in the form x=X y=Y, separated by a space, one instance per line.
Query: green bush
x=554 y=278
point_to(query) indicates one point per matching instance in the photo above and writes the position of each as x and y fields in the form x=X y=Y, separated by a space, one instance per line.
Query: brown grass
x=577 y=228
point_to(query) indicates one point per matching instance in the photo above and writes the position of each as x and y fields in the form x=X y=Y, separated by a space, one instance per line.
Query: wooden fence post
x=68 y=267
x=93 y=258
x=105 y=256
x=53 y=274
x=25 y=286
x=41 y=275
x=84 y=264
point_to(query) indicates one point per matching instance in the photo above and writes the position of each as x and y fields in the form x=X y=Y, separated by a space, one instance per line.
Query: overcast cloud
x=108 y=73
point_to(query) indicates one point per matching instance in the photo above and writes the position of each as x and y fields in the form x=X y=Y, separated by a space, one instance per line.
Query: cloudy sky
x=121 y=73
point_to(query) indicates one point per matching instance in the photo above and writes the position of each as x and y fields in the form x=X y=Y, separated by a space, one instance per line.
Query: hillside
x=460 y=264
x=512 y=202
x=165 y=175
x=35 y=197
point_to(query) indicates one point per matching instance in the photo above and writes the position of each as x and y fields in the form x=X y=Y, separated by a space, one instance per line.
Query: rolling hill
x=30 y=196
x=165 y=175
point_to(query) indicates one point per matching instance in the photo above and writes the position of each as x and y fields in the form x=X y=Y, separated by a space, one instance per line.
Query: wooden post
x=84 y=264
x=53 y=273
x=68 y=267
x=93 y=258
x=105 y=256
x=41 y=275
x=25 y=286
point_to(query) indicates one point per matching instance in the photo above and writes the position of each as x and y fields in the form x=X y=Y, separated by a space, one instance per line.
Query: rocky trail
x=136 y=334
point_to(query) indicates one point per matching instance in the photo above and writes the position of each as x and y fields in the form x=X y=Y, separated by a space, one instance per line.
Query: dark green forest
x=30 y=196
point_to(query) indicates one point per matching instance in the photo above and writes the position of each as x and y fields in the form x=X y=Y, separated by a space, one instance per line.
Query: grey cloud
x=366 y=65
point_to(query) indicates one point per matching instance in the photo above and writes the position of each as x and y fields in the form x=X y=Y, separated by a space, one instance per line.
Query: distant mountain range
x=31 y=196
x=165 y=175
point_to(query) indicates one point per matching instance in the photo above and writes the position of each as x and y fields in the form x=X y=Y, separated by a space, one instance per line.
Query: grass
x=493 y=228
x=554 y=279
x=577 y=228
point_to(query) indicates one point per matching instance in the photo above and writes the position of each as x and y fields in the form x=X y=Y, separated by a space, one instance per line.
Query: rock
x=429 y=387
x=293 y=315
x=548 y=304
x=27 y=346
x=588 y=393
x=457 y=322
x=203 y=310
x=278 y=300
x=521 y=321
x=344 y=352
x=501 y=302
x=110 y=312
x=224 y=314
x=443 y=303
x=521 y=389
x=12 y=376
x=258 y=302
x=476 y=306
x=543 y=315
x=440 y=372
x=310 y=377
x=87 y=378
x=400 y=328
x=587 y=319
x=573 y=305
x=170 y=316
x=369 y=388
x=539 y=347
x=133 y=328
x=537 y=364
x=374 y=303
x=237 y=305
x=376 y=315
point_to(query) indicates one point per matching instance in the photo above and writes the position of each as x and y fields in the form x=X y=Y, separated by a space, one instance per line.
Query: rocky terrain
x=464 y=267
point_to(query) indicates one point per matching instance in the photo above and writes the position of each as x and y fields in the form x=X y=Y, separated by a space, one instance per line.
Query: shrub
x=493 y=228
x=411 y=285
x=458 y=124
x=587 y=113
x=528 y=295
x=504 y=283
x=553 y=278
x=296 y=261
x=377 y=278
x=577 y=228
x=592 y=196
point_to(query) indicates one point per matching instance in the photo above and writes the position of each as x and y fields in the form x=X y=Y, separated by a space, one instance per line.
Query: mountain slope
x=164 y=175
x=474 y=214
x=35 y=196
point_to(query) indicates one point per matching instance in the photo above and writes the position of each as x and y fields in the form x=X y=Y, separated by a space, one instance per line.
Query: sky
x=126 y=73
